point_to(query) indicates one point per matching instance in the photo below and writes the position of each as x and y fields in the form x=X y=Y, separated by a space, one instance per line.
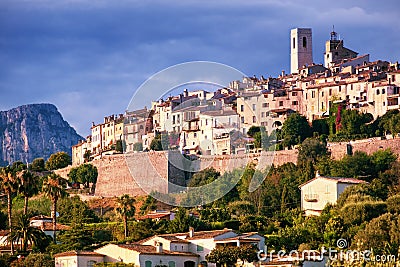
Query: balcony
x=190 y=128
x=311 y=197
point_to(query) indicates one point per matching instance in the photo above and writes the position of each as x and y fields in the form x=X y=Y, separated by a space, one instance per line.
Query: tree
x=247 y=253
x=126 y=209
x=203 y=177
x=378 y=234
x=37 y=165
x=9 y=186
x=160 y=142
x=85 y=174
x=149 y=204
x=182 y=221
x=119 y=147
x=223 y=256
x=38 y=260
x=138 y=146
x=310 y=151
x=28 y=186
x=24 y=233
x=58 y=160
x=87 y=156
x=73 y=210
x=54 y=187
x=295 y=130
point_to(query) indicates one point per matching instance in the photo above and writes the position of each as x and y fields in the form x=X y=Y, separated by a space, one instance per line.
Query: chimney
x=191 y=231
x=159 y=247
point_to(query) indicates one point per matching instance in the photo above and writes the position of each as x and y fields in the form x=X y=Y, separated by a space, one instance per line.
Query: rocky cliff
x=32 y=131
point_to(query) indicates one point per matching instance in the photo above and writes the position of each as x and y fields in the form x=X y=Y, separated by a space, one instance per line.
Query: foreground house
x=172 y=250
x=321 y=190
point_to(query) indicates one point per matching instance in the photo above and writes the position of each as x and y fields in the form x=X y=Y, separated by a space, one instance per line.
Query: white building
x=172 y=250
x=321 y=190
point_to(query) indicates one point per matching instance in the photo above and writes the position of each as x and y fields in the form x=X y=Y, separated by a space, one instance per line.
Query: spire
x=334 y=36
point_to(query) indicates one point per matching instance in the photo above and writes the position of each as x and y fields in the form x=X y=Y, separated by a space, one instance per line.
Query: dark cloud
x=87 y=57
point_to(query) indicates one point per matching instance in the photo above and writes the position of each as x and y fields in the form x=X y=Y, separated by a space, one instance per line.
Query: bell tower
x=300 y=48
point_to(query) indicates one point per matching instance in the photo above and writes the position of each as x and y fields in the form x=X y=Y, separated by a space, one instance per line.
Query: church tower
x=300 y=48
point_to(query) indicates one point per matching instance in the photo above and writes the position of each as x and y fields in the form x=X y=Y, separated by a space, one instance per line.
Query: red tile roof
x=151 y=250
x=78 y=253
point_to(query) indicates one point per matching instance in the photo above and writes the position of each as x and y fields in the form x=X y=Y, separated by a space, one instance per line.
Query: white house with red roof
x=321 y=190
x=173 y=250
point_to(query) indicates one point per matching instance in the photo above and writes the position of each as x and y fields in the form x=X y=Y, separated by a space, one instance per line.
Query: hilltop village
x=203 y=123
x=330 y=198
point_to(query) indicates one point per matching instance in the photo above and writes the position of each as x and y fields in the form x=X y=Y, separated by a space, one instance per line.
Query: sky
x=88 y=57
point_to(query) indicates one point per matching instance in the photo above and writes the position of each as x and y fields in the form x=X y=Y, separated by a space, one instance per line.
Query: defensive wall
x=120 y=174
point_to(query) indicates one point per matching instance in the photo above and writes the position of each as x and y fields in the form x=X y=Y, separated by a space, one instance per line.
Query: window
x=340 y=88
x=147 y=263
x=312 y=94
x=305 y=42
x=91 y=263
x=241 y=108
x=242 y=119
x=294 y=93
x=265 y=105
x=171 y=264
x=254 y=107
x=294 y=43
x=280 y=103
x=173 y=119
x=295 y=103
x=377 y=91
x=322 y=94
x=330 y=91
x=200 y=248
x=194 y=135
x=262 y=114
x=322 y=105
x=254 y=119
x=383 y=91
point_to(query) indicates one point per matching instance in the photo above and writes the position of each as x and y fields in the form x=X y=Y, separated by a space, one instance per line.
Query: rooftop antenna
x=334 y=36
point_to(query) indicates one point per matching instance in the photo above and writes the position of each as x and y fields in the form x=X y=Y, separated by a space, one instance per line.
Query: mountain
x=34 y=131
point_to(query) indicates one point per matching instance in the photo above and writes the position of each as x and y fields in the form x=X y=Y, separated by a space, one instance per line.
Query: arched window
x=304 y=42
x=147 y=263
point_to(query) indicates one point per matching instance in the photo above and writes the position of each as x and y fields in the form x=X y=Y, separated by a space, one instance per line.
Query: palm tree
x=24 y=233
x=54 y=188
x=8 y=183
x=125 y=208
x=28 y=186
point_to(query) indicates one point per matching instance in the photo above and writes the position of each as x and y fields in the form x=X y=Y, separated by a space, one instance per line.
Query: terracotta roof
x=154 y=216
x=4 y=232
x=337 y=180
x=78 y=253
x=48 y=226
x=185 y=236
x=207 y=234
x=222 y=112
x=151 y=250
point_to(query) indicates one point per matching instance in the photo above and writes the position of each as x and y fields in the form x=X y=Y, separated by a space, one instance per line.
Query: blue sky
x=87 y=57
